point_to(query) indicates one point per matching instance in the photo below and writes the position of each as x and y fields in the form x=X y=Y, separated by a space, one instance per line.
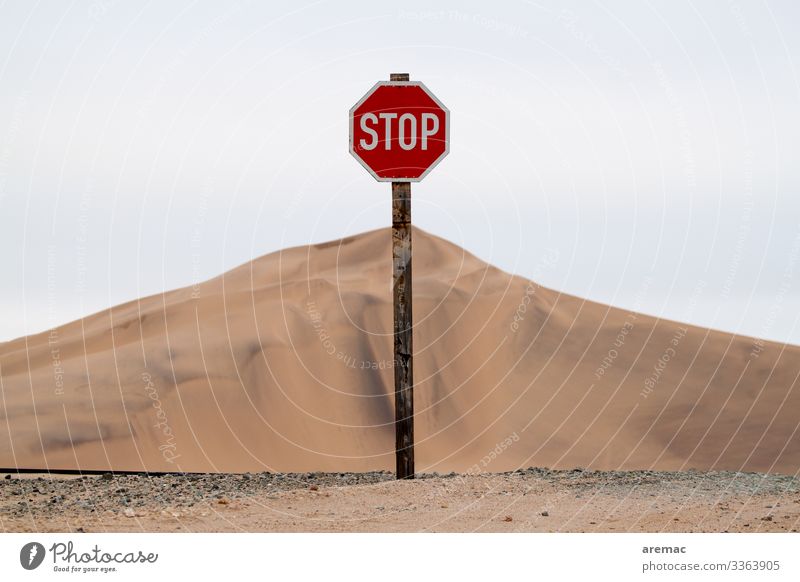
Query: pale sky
x=653 y=146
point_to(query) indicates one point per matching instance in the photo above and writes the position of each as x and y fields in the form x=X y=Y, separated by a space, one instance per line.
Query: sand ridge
x=284 y=364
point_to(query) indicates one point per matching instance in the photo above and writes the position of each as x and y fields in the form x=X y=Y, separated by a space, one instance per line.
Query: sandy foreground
x=532 y=500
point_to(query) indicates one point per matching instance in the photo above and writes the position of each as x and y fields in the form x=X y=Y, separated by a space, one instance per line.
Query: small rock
x=766 y=518
x=223 y=501
x=8 y=476
x=508 y=518
x=545 y=514
x=314 y=488
x=107 y=477
x=129 y=512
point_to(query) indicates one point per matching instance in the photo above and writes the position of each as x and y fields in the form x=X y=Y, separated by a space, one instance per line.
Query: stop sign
x=399 y=131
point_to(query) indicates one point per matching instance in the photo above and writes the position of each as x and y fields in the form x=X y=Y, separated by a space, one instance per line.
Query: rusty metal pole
x=403 y=323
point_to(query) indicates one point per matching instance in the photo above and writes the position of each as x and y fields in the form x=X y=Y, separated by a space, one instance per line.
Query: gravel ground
x=526 y=500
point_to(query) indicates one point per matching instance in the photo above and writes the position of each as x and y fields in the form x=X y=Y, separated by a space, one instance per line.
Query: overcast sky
x=652 y=145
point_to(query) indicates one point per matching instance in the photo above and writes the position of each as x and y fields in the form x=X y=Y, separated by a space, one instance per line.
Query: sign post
x=399 y=131
x=403 y=324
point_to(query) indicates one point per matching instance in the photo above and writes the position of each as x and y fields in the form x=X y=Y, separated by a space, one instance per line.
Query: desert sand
x=284 y=364
x=532 y=500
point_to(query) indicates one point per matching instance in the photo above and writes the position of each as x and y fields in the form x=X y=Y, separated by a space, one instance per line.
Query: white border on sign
x=446 y=129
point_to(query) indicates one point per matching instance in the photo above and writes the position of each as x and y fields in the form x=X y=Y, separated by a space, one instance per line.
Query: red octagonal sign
x=399 y=131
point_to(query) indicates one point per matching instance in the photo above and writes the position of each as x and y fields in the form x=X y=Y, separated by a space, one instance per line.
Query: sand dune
x=284 y=364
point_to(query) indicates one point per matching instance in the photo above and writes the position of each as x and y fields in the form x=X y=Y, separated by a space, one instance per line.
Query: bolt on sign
x=399 y=131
